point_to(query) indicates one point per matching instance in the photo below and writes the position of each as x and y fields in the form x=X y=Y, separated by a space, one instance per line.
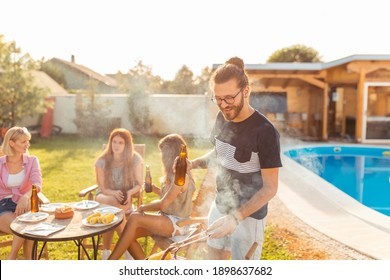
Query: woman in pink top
x=18 y=171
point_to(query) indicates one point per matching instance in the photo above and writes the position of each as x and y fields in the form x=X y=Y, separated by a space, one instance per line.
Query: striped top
x=226 y=152
x=242 y=150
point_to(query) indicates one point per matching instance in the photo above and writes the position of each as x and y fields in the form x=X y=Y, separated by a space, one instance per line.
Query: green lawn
x=67 y=164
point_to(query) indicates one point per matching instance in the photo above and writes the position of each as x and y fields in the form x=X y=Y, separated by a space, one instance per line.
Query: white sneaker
x=105 y=254
x=128 y=256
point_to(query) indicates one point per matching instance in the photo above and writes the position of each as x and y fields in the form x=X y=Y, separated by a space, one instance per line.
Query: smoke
x=206 y=194
x=308 y=158
x=311 y=162
x=179 y=114
x=201 y=143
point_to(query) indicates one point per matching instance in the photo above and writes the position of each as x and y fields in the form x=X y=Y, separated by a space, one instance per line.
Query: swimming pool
x=362 y=172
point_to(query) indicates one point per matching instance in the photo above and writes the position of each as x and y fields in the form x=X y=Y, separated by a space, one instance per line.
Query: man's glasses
x=228 y=99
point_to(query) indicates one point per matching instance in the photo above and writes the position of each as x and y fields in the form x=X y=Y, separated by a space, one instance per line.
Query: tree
x=141 y=83
x=19 y=96
x=202 y=81
x=139 y=74
x=92 y=113
x=54 y=72
x=122 y=80
x=183 y=82
x=295 y=53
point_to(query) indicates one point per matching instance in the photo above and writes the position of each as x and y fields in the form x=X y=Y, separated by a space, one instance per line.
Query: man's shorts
x=247 y=232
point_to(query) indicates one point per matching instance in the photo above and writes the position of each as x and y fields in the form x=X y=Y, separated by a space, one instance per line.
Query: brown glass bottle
x=181 y=167
x=34 y=199
x=148 y=180
x=124 y=192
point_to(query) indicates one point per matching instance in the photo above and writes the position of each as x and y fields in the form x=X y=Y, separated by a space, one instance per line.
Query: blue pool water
x=361 y=172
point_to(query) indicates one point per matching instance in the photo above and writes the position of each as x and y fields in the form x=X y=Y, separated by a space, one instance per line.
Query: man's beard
x=233 y=111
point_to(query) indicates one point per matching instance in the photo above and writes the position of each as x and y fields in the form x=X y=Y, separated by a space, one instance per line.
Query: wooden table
x=74 y=231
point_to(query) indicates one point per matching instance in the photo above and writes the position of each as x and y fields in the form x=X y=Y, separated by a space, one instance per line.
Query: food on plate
x=94 y=215
x=100 y=218
x=93 y=220
x=107 y=218
x=64 y=212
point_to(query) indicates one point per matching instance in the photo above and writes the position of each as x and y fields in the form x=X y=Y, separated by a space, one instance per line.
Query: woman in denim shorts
x=18 y=172
x=175 y=203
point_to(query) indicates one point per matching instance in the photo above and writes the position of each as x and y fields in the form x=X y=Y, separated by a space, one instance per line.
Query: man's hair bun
x=236 y=61
x=234 y=68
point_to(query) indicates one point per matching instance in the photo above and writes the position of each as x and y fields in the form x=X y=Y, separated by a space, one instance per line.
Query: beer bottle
x=181 y=167
x=148 y=180
x=124 y=192
x=34 y=199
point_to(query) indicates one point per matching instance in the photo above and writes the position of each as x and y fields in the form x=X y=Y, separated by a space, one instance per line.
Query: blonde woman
x=18 y=171
x=118 y=168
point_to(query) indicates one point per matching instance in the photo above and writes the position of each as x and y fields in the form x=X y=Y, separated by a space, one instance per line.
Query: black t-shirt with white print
x=242 y=150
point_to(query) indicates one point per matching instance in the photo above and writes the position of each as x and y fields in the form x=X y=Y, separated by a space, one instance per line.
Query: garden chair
x=6 y=238
x=90 y=192
x=197 y=221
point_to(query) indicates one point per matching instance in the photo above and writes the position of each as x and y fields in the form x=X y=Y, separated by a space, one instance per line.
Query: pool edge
x=332 y=212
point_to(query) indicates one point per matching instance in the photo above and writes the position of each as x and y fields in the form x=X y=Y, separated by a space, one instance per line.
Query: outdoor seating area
x=87 y=238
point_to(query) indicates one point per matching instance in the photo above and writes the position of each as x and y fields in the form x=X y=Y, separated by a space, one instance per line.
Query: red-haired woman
x=118 y=167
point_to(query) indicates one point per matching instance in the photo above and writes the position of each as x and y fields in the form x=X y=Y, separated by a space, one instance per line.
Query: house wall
x=65 y=113
x=298 y=100
x=340 y=75
x=76 y=80
x=183 y=114
x=350 y=102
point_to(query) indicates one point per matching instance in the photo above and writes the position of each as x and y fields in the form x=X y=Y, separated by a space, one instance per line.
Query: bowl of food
x=64 y=212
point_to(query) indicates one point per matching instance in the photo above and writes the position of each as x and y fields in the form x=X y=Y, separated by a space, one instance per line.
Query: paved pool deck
x=329 y=210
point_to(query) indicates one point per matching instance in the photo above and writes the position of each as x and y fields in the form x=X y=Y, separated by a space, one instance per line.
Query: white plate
x=51 y=207
x=86 y=204
x=85 y=222
x=33 y=217
x=108 y=209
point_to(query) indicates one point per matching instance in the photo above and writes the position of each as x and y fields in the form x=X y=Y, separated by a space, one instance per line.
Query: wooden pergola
x=348 y=75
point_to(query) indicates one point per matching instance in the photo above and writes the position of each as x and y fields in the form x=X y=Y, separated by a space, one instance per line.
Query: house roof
x=41 y=79
x=309 y=66
x=88 y=72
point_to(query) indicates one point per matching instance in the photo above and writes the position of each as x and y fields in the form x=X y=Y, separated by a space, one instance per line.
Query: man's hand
x=222 y=227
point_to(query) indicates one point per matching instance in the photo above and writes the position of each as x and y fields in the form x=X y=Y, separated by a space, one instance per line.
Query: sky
x=112 y=35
